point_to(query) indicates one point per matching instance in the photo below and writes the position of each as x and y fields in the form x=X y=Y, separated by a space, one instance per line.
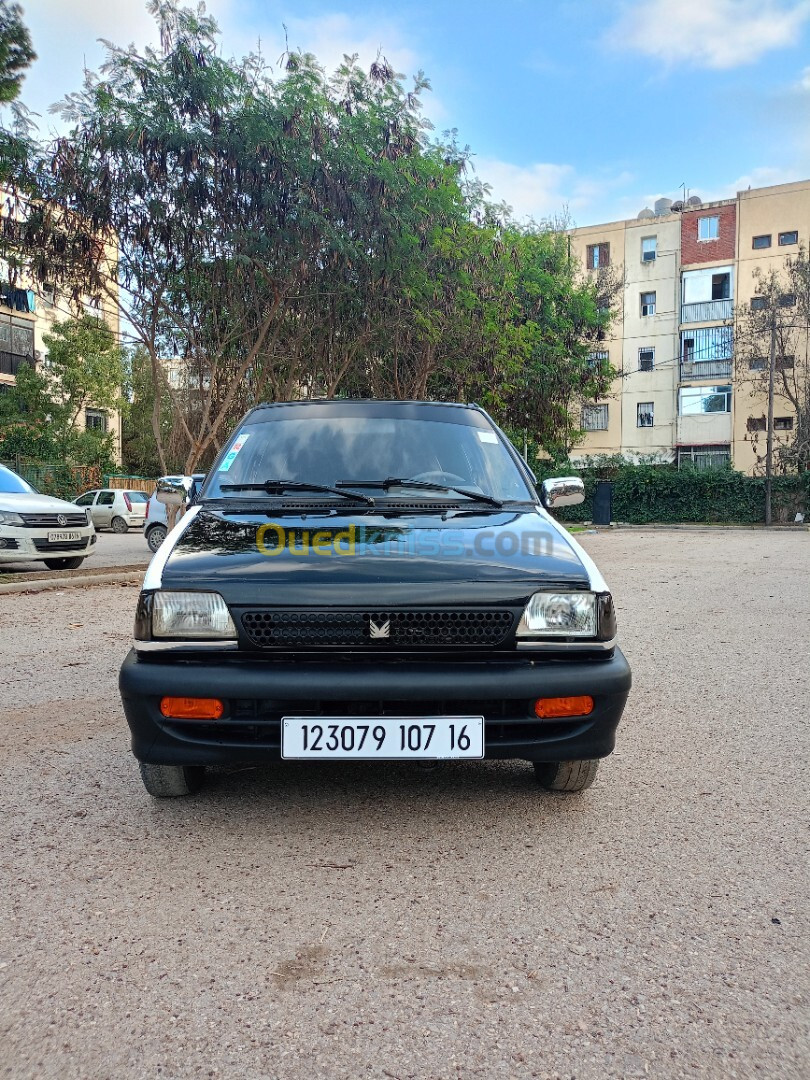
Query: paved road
x=347 y=922
x=111 y=549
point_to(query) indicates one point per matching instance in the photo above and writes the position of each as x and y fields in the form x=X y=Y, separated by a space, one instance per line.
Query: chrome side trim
x=187 y=646
x=153 y=578
x=567 y=646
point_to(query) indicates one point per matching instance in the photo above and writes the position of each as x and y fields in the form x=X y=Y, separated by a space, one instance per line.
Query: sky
x=590 y=108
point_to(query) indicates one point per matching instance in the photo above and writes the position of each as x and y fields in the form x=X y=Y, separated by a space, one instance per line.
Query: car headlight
x=560 y=615
x=7 y=518
x=197 y=616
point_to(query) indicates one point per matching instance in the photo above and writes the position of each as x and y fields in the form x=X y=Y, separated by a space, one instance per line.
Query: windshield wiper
x=399 y=481
x=278 y=487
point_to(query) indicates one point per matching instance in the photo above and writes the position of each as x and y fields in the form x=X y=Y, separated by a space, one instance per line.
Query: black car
x=375 y=580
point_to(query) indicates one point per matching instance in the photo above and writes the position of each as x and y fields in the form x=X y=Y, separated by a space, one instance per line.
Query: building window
x=648 y=303
x=708 y=228
x=598 y=360
x=95 y=420
x=785 y=363
x=757 y=363
x=598 y=255
x=595 y=417
x=707 y=344
x=787 y=238
x=697 y=400
x=721 y=286
x=783 y=423
x=704 y=457
x=759 y=303
x=763 y=241
x=757 y=423
x=787 y=300
x=644 y=414
x=646 y=359
x=649 y=247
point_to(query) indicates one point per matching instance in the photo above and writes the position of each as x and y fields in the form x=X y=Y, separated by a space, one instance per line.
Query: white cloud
x=708 y=33
x=804 y=80
x=545 y=189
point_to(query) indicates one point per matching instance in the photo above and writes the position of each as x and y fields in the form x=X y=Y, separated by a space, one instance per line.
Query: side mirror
x=562 y=491
x=174 y=490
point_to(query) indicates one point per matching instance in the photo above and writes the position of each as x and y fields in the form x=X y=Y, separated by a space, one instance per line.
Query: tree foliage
x=39 y=413
x=16 y=51
x=290 y=233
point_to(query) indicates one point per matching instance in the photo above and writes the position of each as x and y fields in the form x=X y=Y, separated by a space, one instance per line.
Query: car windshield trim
x=279 y=487
x=399 y=481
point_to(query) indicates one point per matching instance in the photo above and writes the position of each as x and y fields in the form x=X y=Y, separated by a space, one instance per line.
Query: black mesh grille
x=48 y=521
x=377 y=629
x=62 y=545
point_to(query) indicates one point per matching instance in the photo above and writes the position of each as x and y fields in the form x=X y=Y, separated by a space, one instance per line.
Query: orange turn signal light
x=549 y=707
x=192 y=708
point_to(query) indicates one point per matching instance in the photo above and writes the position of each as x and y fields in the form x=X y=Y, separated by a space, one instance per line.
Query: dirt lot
x=301 y=922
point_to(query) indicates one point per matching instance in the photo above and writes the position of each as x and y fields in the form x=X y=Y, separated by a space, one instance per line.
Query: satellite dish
x=694 y=200
x=645 y=214
x=662 y=206
x=677 y=206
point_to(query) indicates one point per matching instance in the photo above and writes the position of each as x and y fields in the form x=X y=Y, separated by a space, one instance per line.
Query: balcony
x=702 y=428
x=707 y=311
x=705 y=369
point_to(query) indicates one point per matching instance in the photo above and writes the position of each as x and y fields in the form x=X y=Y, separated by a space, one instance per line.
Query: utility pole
x=769 y=449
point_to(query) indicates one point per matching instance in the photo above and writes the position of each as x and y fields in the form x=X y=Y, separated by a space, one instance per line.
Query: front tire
x=156 y=536
x=171 y=781
x=118 y=525
x=566 y=775
x=64 y=564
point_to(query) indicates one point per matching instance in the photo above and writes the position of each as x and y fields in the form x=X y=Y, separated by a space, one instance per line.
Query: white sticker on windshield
x=230 y=457
x=487 y=436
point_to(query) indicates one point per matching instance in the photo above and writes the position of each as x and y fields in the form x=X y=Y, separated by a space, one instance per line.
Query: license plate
x=60 y=537
x=382 y=738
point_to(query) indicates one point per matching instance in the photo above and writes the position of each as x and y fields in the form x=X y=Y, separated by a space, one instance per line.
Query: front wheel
x=566 y=775
x=64 y=564
x=118 y=525
x=156 y=536
x=171 y=781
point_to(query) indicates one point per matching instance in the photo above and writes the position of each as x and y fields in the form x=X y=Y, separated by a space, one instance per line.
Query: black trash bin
x=603 y=503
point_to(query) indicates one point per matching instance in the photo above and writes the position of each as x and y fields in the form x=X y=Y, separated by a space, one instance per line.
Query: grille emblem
x=61 y=519
x=379 y=630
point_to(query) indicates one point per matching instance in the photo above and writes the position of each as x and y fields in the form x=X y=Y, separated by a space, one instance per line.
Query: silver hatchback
x=110 y=508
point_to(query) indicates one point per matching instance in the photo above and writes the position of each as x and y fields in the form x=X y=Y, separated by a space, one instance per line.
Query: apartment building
x=26 y=316
x=686 y=267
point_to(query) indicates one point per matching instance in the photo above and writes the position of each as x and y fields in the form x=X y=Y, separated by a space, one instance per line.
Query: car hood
x=374 y=557
x=23 y=502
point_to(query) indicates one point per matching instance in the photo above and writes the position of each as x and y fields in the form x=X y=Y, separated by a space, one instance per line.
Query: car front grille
x=51 y=521
x=62 y=545
x=377 y=629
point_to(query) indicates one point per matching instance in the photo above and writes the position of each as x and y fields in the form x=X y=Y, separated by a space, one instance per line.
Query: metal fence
x=63 y=481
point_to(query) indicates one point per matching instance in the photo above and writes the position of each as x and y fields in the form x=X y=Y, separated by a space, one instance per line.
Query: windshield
x=342 y=450
x=10 y=483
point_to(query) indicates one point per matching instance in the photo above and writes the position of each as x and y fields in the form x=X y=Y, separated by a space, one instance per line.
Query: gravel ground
x=378 y=921
x=111 y=549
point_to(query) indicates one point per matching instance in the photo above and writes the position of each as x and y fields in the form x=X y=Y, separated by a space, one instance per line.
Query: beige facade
x=27 y=315
x=682 y=394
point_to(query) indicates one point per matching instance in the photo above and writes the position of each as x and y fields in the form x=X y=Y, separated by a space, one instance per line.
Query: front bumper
x=257 y=693
x=20 y=544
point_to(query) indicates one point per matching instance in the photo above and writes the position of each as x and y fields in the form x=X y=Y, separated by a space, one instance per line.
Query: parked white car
x=156 y=524
x=36 y=527
x=113 y=509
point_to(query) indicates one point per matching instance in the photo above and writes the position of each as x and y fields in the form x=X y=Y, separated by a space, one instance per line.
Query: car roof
x=452 y=411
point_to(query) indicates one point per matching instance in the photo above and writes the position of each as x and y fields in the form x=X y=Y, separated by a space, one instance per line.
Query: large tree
x=773 y=343
x=297 y=233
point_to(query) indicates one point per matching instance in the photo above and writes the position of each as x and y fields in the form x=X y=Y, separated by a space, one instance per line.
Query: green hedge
x=646 y=494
